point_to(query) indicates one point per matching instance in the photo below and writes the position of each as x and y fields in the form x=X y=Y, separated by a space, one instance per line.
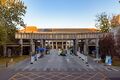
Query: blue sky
x=67 y=13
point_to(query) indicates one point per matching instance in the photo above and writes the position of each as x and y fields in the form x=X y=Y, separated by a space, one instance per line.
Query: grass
x=12 y=60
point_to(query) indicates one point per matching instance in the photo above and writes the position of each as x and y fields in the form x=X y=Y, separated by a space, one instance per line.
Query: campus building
x=60 y=43
x=84 y=40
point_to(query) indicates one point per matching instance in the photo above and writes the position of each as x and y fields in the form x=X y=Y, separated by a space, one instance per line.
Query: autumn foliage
x=107 y=46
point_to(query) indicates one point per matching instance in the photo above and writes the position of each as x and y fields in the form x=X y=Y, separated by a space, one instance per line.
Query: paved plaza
x=59 y=76
x=55 y=67
x=54 y=62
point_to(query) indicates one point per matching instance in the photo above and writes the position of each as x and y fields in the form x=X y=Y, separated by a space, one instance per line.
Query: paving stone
x=61 y=76
x=40 y=78
x=23 y=78
x=17 y=76
x=55 y=78
x=33 y=76
x=55 y=67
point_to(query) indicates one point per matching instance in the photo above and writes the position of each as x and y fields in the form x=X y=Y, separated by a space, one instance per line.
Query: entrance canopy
x=56 y=35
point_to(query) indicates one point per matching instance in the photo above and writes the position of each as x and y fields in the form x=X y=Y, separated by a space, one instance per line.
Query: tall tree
x=117 y=38
x=11 y=13
x=103 y=22
x=115 y=22
x=107 y=45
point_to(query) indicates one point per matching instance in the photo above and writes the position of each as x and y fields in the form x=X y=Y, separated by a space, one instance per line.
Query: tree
x=115 y=21
x=103 y=22
x=11 y=12
x=2 y=35
x=118 y=43
x=118 y=46
x=107 y=46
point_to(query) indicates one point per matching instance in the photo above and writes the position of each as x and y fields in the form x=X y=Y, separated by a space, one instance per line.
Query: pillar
x=78 y=45
x=42 y=43
x=86 y=47
x=56 y=45
x=75 y=45
x=66 y=45
x=9 y=52
x=4 y=50
x=62 y=44
x=21 y=47
x=69 y=44
x=32 y=45
x=97 y=48
x=52 y=45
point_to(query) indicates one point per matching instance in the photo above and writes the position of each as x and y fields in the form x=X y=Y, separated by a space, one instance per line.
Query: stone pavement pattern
x=55 y=67
x=59 y=76
x=54 y=62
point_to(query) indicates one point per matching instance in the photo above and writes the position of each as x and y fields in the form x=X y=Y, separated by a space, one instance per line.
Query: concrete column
x=56 y=45
x=62 y=44
x=75 y=42
x=97 y=48
x=79 y=48
x=42 y=43
x=86 y=47
x=4 y=50
x=32 y=45
x=69 y=44
x=66 y=45
x=21 y=47
x=9 y=52
x=52 y=45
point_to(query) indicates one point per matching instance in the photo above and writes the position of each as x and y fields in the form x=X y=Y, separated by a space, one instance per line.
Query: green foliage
x=103 y=22
x=11 y=14
x=2 y=35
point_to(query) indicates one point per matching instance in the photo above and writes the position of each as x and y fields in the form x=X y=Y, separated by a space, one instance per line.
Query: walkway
x=55 y=67
x=54 y=62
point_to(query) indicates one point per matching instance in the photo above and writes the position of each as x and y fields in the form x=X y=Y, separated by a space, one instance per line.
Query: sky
x=67 y=13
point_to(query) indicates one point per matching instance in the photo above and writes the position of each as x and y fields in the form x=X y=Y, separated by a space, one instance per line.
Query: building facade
x=81 y=39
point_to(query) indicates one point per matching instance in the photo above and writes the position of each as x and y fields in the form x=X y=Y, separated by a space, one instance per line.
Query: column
x=52 y=45
x=66 y=45
x=62 y=44
x=32 y=45
x=42 y=43
x=4 y=50
x=97 y=48
x=86 y=47
x=9 y=52
x=44 y=46
x=56 y=45
x=75 y=42
x=21 y=47
x=79 y=46
x=86 y=51
x=69 y=44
